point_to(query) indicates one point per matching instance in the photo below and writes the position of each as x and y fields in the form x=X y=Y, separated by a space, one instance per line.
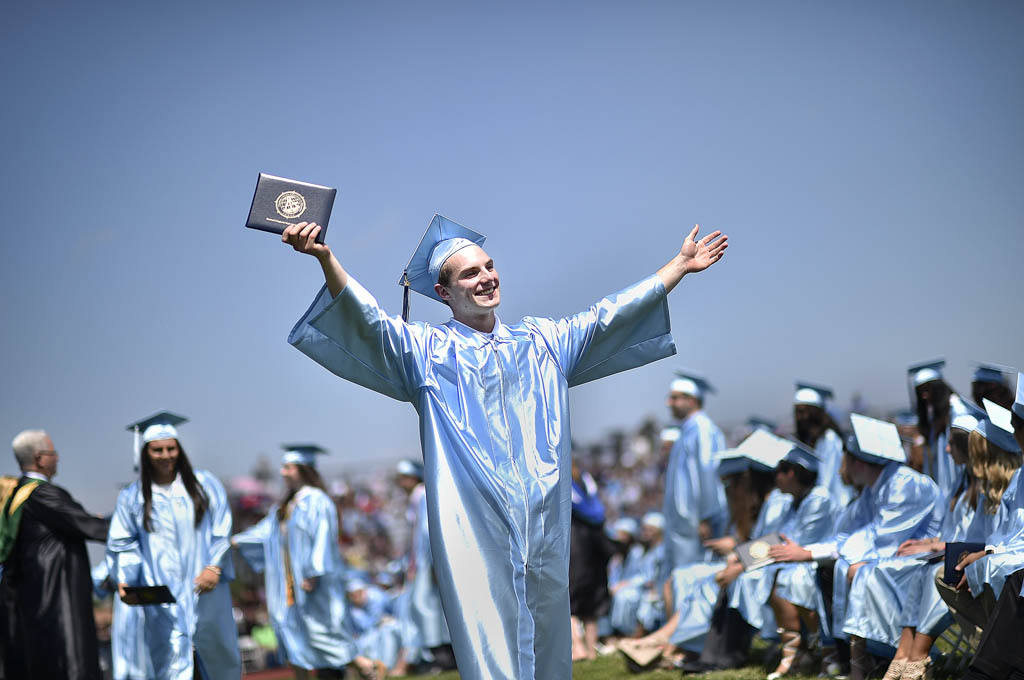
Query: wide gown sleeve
x=622 y=331
x=250 y=543
x=905 y=509
x=55 y=508
x=123 y=540
x=220 y=519
x=351 y=336
x=320 y=522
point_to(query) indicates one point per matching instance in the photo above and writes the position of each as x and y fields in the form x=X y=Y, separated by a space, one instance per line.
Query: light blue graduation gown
x=695 y=589
x=639 y=576
x=425 y=610
x=127 y=641
x=899 y=592
x=1004 y=535
x=900 y=505
x=494 y=427
x=378 y=633
x=809 y=522
x=312 y=630
x=174 y=554
x=693 y=490
x=829 y=450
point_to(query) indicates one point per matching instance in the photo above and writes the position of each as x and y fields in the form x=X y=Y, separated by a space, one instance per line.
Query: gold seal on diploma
x=290 y=204
x=759 y=550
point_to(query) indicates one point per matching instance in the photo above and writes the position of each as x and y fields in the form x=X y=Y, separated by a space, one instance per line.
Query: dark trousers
x=826 y=581
x=1001 y=651
x=727 y=644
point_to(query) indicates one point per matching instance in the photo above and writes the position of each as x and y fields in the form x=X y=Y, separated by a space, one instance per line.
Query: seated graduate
x=817 y=430
x=994 y=445
x=936 y=404
x=372 y=619
x=296 y=547
x=808 y=518
x=902 y=608
x=756 y=508
x=636 y=597
x=896 y=504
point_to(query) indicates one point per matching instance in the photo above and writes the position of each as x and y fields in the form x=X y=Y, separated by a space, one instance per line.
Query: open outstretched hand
x=699 y=255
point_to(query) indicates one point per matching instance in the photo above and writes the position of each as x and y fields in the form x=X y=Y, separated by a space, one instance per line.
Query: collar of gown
x=477 y=339
x=177 y=486
x=32 y=474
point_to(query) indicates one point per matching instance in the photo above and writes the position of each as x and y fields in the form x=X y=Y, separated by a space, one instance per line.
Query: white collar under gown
x=494 y=428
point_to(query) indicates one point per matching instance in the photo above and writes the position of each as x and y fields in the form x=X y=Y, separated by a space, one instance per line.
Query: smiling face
x=681 y=405
x=472 y=286
x=163 y=458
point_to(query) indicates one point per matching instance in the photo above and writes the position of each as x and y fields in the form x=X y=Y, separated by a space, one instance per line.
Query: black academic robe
x=46 y=581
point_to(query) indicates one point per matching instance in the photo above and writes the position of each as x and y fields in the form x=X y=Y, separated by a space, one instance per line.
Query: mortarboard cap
x=799 y=454
x=654 y=519
x=875 y=441
x=759 y=423
x=991 y=373
x=968 y=417
x=997 y=427
x=691 y=383
x=669 y=434
x=442 y=239
x=926 y=371
x=162 y=425
x=410 y=468
x=301 y=454
x=626 y=525
x=1018 y=405
x=761 y=450
x=812 y=394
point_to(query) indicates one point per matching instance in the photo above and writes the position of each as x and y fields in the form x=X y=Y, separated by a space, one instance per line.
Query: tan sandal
x=790 y=653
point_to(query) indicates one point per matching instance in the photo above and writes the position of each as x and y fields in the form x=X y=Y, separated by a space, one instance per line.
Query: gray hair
x=26 y=444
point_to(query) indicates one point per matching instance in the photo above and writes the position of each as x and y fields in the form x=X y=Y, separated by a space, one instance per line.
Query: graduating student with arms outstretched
x=494 y=423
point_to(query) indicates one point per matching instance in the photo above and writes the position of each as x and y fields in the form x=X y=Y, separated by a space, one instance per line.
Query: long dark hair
x=308 y=476
x=748 y=492
x=940 y=393
x=820 y=422
x=188 y=477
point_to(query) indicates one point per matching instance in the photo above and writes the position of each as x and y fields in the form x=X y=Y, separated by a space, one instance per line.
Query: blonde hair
x=993 y=466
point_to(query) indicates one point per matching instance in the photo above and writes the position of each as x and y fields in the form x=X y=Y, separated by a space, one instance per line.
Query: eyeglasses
x=46 y=452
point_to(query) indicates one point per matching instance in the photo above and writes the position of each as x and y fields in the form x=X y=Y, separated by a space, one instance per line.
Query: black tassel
x=405 y=297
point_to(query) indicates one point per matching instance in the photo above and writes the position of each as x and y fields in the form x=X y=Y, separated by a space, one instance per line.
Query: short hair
x=26 y=444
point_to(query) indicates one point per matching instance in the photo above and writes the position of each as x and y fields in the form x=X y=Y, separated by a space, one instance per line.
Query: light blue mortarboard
x=162 y=425
x=654 y=519
x=691 y=383
x=926 y=371
x=968 y=418
x=991 y=373
x=812 y=394
x=301 y=454
x=442 y=239
x=799 y=454
x=997 y=427
x=626 y=525
x=875 y=441
x=410 y=468
x=1018 y=405
x=761 y=450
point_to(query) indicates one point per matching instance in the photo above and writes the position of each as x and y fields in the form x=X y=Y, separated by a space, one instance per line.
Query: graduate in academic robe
x=903 y=608
x=492 y=399
x=371 y=617
x=46 y=591
x=296 y=548
x=816 y=429
x=426 y=618
x=633 y=610
x=936 y=404
x=808 y=518
x=694 y=505
x=171 y=528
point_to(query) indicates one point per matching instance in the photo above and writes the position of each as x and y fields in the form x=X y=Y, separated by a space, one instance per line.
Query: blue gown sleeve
x=351 y=336
x=907 y=506
x=220 y=519
x=123 y=539
x=622 y=331
x=816 y=517
x=320 y=523
x=250 y=543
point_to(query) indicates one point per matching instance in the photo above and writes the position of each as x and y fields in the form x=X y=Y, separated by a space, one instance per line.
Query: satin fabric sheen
x=312 y=631
x=494 y=428
x=425 y=612
x=174 y=554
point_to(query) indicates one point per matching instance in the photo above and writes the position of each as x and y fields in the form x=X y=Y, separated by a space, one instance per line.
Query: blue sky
x=865 y=158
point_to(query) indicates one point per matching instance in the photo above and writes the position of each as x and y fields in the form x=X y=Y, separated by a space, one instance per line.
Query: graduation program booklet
x=150 y=594
x=754 y=554
x=279 y=203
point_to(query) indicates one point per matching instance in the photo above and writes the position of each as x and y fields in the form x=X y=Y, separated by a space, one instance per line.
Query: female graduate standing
x=296 y=546
x=171 y=528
